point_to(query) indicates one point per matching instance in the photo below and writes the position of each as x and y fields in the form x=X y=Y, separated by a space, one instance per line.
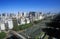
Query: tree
x=15 y=28
x=24 y=26
x=2 y=35
x=36 y=22
x=54 y=28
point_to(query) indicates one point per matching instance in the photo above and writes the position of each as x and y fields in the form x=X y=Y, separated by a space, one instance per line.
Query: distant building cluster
x=6 y=20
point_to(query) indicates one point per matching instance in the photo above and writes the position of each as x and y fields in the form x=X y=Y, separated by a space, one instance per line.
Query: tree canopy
x=2 y=35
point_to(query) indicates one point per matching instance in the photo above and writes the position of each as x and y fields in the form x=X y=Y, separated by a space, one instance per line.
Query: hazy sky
x=29 y=5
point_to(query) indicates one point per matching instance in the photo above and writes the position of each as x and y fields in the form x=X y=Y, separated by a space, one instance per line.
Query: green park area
x=25 y=26
x=2 y=35
x=22 y=27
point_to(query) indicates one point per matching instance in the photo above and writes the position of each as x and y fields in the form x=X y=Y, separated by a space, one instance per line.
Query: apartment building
x=2 y=26
x=10 y=24
x=5 y=23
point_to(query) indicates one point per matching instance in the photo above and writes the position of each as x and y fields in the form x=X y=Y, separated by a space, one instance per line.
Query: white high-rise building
x=41 y=17
x=28 y=21
x=2 y=26
x=10 y=24
x=22 y=20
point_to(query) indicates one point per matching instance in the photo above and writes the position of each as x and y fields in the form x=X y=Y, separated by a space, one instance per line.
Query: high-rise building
x=10 y=24
x=2 y=26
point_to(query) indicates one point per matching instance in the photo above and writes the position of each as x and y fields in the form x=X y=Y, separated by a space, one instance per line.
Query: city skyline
x=29 y=5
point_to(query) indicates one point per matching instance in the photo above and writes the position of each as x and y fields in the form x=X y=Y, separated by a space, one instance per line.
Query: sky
x=13 y=6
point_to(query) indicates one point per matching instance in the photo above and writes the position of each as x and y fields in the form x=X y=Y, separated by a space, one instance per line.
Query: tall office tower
x=36 y=16
x=32 y=13
x=22 y=13
x=31 y=16
x=19 y=15
x=3 y=14
x=25 y=14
